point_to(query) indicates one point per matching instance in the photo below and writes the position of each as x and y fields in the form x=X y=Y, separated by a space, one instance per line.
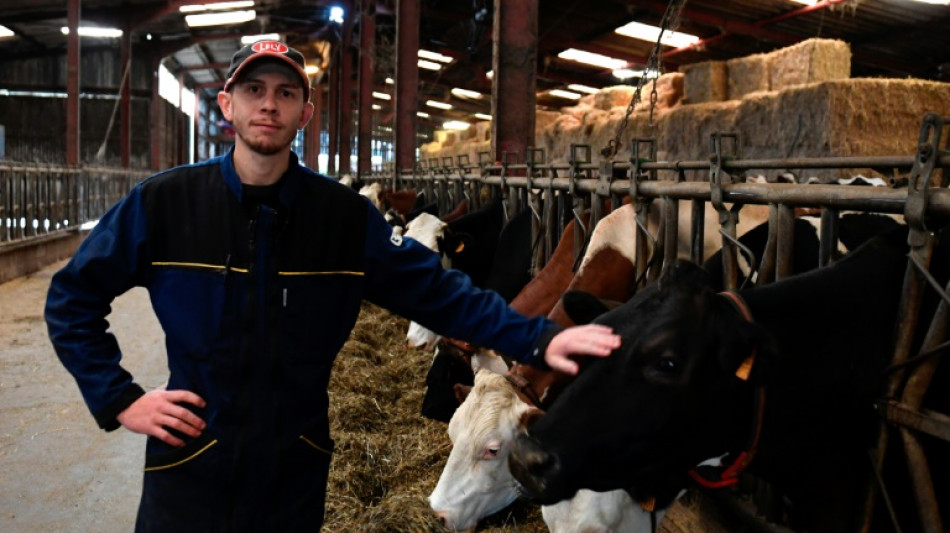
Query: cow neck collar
x=523 y=387
x=715 y=477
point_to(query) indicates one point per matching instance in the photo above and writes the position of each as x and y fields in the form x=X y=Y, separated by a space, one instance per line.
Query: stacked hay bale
x=797 y=101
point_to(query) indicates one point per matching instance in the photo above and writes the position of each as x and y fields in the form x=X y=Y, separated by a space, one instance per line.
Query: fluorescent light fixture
x=390 y=81
x=457 y=125
x=490 y=74
x=465 y=93
x=435 y=56
x=590 y=58
x=336 y=14
x=439 y=105
x=422 y=114
x=935 y=2
x=806 y=2
x=217 y=6
x=90 y=31
x=577 y=87
x=220 y=19
x=249 y=39
x=381 y=96
x=429 y=65
x=5 y=32
x=376 y=107
x=650 y=33
x=625 y=73
x=482 y=116
x=311 y=70
x=560 y=93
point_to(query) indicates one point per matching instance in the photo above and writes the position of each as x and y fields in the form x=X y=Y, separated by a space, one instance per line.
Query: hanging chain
x=670 y=22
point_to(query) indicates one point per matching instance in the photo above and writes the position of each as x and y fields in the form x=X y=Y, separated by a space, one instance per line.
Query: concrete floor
x=58 y=471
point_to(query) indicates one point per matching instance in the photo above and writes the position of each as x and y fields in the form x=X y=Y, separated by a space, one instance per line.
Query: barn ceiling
x=888 y=38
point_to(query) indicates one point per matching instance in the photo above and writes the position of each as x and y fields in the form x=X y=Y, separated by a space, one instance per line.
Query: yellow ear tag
x=745 y=368
x=648 y=505
x=460 y=247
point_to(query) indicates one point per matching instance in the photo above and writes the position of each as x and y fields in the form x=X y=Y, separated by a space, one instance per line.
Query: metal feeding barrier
x=917 y=189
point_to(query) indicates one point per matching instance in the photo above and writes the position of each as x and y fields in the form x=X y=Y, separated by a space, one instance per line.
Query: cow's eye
x=667 y=364
x=491 y=451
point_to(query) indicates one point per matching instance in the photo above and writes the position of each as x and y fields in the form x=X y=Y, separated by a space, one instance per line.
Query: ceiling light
x=560 y=93
x=457 y=125
x=422 y=114
x=583 y=88
x=435 y=56
x=218 y=6
x=650 y=33
x=490 y=74
x=220 y=19
x=465 y=93
x=590 y=58
x=5 y=32
x=625 y=73
x=806 y=2
x=482 y=116
x=336 y=15
x=250 y=39
x=935 y=2
x=389 y=81
x=429 y=65
x=376 y=107
x=90 y=31
x=439 y=105
x=381 y=96
x=311 y=70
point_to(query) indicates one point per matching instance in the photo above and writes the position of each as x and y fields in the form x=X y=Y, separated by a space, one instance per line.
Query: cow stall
x=912 y=187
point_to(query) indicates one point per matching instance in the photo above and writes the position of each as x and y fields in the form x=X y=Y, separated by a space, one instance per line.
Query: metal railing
x=40 y=200
x=556 y=194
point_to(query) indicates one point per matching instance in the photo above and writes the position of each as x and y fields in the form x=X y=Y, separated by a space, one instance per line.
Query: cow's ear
x=583 y=307
x=747 y=352
x=686 y=274
x=461 y=392
x=529 y=417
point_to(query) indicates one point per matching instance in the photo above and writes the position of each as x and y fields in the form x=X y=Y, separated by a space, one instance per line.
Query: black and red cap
x=268 y=50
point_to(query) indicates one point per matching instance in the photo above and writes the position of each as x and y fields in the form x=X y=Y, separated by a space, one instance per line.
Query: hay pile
x=388 y=457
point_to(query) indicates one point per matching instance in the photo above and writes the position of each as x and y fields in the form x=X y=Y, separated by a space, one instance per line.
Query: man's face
x=266 y=110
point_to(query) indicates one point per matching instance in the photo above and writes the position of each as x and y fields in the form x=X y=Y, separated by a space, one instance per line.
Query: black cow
x=670 y=397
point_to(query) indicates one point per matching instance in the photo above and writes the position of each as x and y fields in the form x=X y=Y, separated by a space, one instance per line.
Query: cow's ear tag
x=745 y=369
x=460 y=247
x=648 y=505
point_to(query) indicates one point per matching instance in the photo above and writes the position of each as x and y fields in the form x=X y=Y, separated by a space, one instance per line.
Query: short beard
x=264 y=149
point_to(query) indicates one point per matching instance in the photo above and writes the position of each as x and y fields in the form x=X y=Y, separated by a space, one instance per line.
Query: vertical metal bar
x=73 y=140
x=407 y=82
x=367 y=41
x=514 y=61
x=784 y=250
x=346 y=90
x=829 y=236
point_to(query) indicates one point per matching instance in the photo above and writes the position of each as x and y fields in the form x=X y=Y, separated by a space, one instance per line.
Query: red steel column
x=314 y=128
x=125 y=106
x=407 y=84
x=72 y=84
x=156 y=121
x=333 y=111
x=367 y=40
x=514 y=60
x=346 y=91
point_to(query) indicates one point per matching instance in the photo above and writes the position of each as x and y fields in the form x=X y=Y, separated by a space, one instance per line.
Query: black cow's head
x=666 y=400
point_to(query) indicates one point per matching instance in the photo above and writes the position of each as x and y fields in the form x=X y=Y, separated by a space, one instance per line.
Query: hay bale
x=747 y=75
x=483 y=130
x=544 y=118
x=810 y=61
x=669 y=93
x=616 y=95
x=684 y=132
x=704 y=82
x=856 y=117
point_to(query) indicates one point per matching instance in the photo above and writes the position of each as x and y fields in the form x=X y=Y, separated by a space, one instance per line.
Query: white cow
x=427 y=229
x=374 y=192
x=476 y=481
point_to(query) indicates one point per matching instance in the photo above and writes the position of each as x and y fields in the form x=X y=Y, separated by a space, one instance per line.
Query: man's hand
x=157 y=411
x=590 y=339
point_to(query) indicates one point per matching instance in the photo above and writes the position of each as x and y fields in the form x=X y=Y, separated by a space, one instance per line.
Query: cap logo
x=270 y=46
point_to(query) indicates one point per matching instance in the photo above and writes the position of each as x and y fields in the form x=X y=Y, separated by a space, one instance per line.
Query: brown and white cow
x=476 y=481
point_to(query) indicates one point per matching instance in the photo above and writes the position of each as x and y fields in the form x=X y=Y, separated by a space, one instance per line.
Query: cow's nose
x=448 y=525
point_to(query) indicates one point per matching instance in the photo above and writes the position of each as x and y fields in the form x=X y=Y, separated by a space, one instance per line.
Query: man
x=256 y=268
